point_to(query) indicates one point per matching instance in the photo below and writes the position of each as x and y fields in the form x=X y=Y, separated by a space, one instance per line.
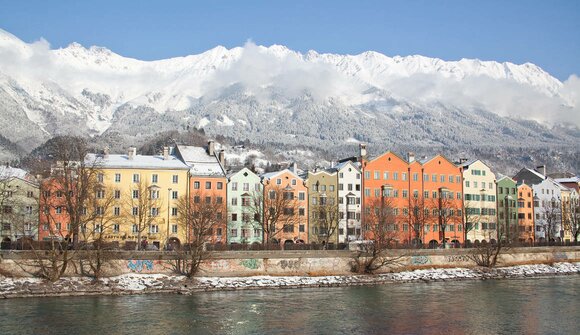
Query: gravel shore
x=159 y=283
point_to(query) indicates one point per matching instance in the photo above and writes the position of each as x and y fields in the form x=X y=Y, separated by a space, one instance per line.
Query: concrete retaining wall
x=290 y=263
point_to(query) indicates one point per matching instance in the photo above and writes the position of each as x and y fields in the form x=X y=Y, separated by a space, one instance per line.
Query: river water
x=519 y=306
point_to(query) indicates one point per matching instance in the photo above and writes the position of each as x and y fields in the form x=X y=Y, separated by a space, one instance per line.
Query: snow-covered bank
x=158 y=283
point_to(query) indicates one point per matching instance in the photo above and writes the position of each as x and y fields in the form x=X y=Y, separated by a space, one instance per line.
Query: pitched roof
x=9 y=171
x=199 y=161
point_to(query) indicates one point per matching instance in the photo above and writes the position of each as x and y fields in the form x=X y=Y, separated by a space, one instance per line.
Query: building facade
x=525 y=214
x=244 y=194
x=480 y=214
x=507 y=209
x=349 y=201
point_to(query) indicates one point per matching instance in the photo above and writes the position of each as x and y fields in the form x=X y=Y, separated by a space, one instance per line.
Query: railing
x=132 y=245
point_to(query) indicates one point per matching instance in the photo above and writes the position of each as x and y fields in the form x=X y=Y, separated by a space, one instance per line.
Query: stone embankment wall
x=292 y=263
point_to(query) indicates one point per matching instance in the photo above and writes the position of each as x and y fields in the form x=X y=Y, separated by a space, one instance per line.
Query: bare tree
x=550 y=218
x=471 y=218
x=198 y=219
x=95 y=253
x=66 y=197
x=278 y=209
x=325 y=218
x=380 y=229
x=574 y=218
x=142 y=206
x=486 y=254
x=417 y=219
x=448 y=212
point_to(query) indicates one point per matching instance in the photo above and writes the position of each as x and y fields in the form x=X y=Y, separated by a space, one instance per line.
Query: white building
x=349 y=201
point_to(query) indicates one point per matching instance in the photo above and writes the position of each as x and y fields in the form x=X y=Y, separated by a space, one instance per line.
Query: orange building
x=525 y=213
x=207 y=183
x=424 y=198
x=54 y=221
x=292 y=225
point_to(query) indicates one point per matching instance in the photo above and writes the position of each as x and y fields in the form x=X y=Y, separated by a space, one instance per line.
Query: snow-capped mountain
x=276 y=94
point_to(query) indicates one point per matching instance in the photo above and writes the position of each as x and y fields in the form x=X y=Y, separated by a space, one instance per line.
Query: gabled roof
x=344 y=164
x=9 y=171
x=574 y=179
x=274 y=174
x=199 y=161
x=386 y=153
x=244 y=169
x=427 y=160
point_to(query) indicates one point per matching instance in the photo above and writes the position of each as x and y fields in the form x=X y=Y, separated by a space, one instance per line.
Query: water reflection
x=538 y=306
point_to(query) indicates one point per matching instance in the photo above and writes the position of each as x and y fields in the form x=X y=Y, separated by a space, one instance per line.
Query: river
x=518 y=306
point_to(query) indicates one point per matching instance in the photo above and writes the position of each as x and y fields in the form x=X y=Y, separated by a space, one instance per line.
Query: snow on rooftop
x=199 y=161
x=138 y=161
x=9 y=172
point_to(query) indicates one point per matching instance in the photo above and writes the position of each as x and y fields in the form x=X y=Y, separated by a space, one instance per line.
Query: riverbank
x=160 y=283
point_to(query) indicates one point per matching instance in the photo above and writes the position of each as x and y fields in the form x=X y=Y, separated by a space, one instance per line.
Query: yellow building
x=140 y=198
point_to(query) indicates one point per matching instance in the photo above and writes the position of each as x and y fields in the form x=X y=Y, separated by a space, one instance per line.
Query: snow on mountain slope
x=87 y=90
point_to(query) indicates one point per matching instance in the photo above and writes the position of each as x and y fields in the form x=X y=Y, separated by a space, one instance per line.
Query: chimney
x=541 y=169
x=410 y=157
x=222 y=158
x=294 y=167
x=211 y=148
x=165 y=153
x=106 y=152
x=132 y=153
x=362 y=151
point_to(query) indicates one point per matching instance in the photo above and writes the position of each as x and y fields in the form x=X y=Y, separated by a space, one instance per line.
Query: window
x=220 y=185
x=386 y=175
x=234 y=217
x=117 y=211
x=233 y=232
x=367 y=192
x=246 y=201
x=154 y=194
x=58 y=209
x=174 y=195
x=450 y=179
x=467 y=183
x=135 y=211
x=208 y=200
x=415 y=194
x=30 y=194
x=458 y=179
x=28 y=210
x=115 y=228
x=257 y=232
x=278 y=181
x=175 y=179
x=288 y=228
x=301 y=211
x=100 y=177
x=59 y=194
x=117 y=194
x=301 y=195
x=219 y=200
x=154 y=211
x=405 y=193
x=367 y=175
x=196 y=185
x=475 y=184
x=208 y=185
x=246 y=187
x=234 y=201
x=434 y=178
x=173 y=211
x=98 y=228
x=404 y=176
x=135 y=177
x=426 y=194
x=117 y=177
x=376 y=175
x=174 y=229
x=415 y=176
x=395 y=176
x=153 y=229
x=442 y=178
x=135 y=228
x=154 y=178
x=293 y=181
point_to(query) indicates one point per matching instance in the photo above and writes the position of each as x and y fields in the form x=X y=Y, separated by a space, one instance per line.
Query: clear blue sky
x=546 y=33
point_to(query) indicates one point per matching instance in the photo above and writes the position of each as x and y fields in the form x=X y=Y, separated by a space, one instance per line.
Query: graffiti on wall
x=139 y=265
x=287 y=264
x=251 y=263
x=420 y=260
x=457 y=258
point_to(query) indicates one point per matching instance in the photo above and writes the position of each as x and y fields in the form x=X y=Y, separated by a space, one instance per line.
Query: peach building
x=525 y=213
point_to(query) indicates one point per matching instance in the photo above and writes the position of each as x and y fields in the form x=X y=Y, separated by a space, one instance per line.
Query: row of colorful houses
x=142 y=199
